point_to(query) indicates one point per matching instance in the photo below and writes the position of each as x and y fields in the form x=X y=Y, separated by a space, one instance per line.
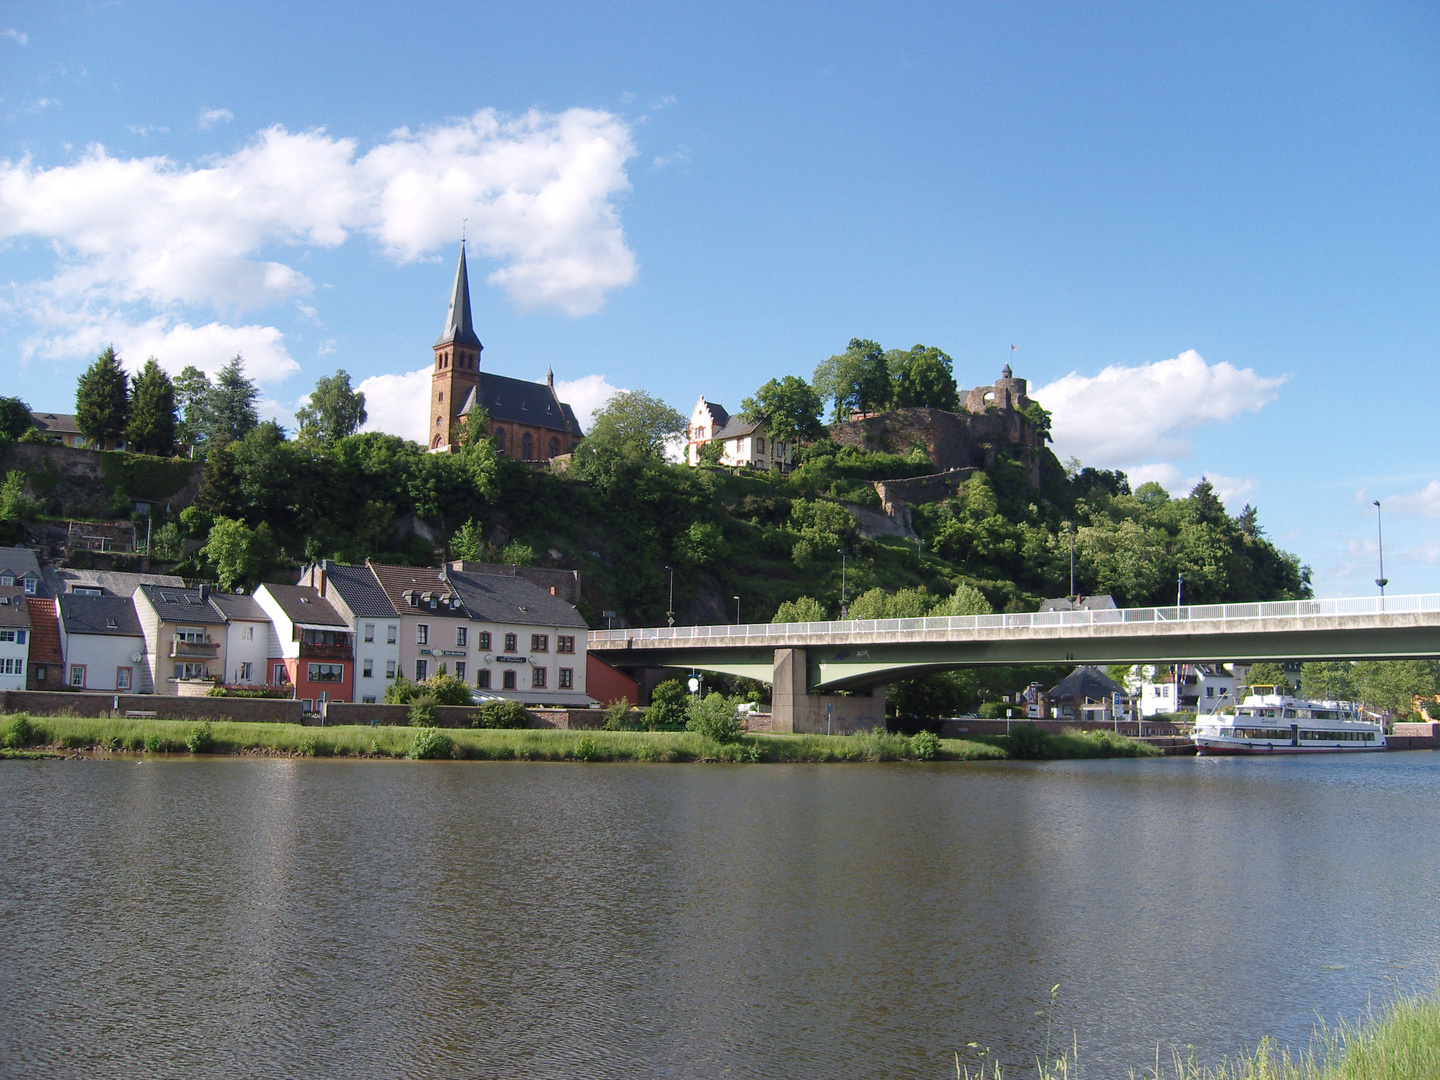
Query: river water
x=323 y=918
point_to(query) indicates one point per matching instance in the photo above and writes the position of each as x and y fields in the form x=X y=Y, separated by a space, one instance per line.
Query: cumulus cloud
x=16 y=35
x=586 y=395
x=1228 y=489
x=210 y=117
x=1425 y=502
x=538 y=191
x=398 y=404
x=208 y=347
x=1126 y=416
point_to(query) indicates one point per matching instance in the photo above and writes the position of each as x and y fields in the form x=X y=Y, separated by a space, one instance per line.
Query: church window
x=442 y=395
x=554 y=447
x=500 y=440
x=525 y=447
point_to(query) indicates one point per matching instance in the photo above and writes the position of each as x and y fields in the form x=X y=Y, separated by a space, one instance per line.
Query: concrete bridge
x=806 y=662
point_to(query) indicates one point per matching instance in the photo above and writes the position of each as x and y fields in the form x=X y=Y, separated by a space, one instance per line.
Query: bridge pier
x=793 y=709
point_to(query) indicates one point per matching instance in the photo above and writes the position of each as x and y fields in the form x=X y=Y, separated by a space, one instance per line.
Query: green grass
x=178 y=736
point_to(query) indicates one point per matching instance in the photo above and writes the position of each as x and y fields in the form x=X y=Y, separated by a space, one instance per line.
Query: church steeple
x=459 y=330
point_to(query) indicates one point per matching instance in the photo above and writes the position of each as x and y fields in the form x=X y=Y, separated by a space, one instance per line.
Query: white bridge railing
x=1208 y=616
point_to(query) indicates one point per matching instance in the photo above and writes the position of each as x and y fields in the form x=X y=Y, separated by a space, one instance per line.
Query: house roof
x=56 y=422
x=113 y=615
x=304 y=606
x=20 y=561
x=1104 y=602
x=1086 y=681
x=396 y=580
x=239 y=607
x=516 y=401
x=65 y=579
x=13 y=609
x=360 y=591
x=458 y=328
x=735 y=428
x=503 y=599
x=44 y=632
x=717 y=412
x=181 y=605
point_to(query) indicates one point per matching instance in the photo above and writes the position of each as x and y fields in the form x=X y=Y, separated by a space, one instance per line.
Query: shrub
x=713 y=716
x=501 y=714
x=134 y=742
x=1027 y=741
x=431 y=744
x=74 y=742
x=446 y=690
x=422 y=711
x=400 y=691
x=585 y=749
x=154 y=744
x=617 y=716
x=18 y=731
x=201 y=739
x=667 y=707
x=924 y=745
x=993 y=710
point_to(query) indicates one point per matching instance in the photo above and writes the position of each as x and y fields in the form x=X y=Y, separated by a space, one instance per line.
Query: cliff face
x=71 y=482
x=952 y=440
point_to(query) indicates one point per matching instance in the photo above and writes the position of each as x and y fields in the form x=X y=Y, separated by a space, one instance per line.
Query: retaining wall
x=456 y=716
x=245 y=710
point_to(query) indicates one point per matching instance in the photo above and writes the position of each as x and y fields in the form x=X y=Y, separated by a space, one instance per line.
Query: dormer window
x=111 y=624
x=7 y=579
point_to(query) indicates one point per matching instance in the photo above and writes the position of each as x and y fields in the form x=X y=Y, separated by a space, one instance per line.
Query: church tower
x=457 y=364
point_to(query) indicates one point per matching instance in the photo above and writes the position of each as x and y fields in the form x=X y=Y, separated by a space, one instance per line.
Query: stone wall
x=455 y=716
x=952 y=440
x=245 y=710
x=73 y=482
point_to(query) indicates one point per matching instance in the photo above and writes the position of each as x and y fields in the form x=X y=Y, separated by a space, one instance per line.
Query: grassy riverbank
x=21 y=733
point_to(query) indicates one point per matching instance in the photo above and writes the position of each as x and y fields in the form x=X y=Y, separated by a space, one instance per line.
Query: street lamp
x=844 y=605
x=1179 y=593
x=737 y=609
x=670 y=614
x=1069 y=528
x=1382 y=580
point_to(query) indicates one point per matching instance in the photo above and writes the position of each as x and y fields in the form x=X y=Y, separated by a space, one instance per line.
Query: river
x=179 y=917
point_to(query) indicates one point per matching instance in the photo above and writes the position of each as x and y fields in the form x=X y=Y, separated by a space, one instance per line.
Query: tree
x=469 y=542
x=923 y=377
x=1268 y=674
x=857 y=380
x=700 y=544
x=635 y=421
x=1328 y=680
x=150 y=428
x=15 y=505
x=966 y=600
x=878 y=604
x=667 y=706
x=801 y=609
x=102 y=398
x=1391 y=686
x=790 y=408
x=714 y=717
x=15 y=419
x=334 y=411
x=238 y=552
x=192 y=399
x=231 y=403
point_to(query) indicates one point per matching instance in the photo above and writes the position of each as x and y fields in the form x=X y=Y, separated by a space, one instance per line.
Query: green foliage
x=924 y=745
x=15 y=418
x=501 y=714
x=826 y=525
x=15 y=505
x=619 y=716
x=1039 y=418
x=334 y=411
x=710 y=453
x=1328 y=680
x=790 y=408
x=878 y=604
x=422 y=710
x=447 y=690
x=923 y=376
x=238 y=552
x=201 y=739
x=166 y=543
x=714 y=717
x=431 y=744
x=857 y=380
x=400 y=691
x=17 y=732
x=632 y=427
x=517 y=553
x=801 y=609
x=668 y=702
x=102 y=398
x=1391 y=686
x=150 y=426
x=1268 y=674
x=230 y=406
x=192 y=402
x=700 y=544
x=965 y=600
x=586 y=749
x=469 y=542
x=1026 y=742
x=993 y=710
x=147 y=477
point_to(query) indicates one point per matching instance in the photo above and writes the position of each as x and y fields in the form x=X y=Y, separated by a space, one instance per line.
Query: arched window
x=436 y=444
x=554 y=447
x=500 y=440
x=525 y=447
x=759 y=446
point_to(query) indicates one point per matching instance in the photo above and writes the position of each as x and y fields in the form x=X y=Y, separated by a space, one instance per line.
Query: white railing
x=1208 y=614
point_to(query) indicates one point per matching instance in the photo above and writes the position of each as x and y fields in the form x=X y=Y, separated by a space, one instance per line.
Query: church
x=527 y=420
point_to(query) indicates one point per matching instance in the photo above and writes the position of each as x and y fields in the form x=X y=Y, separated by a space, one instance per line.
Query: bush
x=18 y=731
x=154 y=744
x=201 y=739
x=713 y=716
x=74 y=742
x=431 y=744
x=447 y=690
x=667 y=707
x=617 y=716
x=585 y=749
x=924 y=745
x=500 y=714
x=993 y=710
x=422 y=711
x=1026 y=741
x=400 y=691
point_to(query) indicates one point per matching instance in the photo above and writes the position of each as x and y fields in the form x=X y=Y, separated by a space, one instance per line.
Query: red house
x=317 y=645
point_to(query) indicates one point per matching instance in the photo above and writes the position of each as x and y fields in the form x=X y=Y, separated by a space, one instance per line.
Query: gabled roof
x=458 y=328
x=20 y=561
x=502 y=599
x=14 y=611
x=735 y=428
x=112 y=615
x=56 y=422
x=238 y=607
x=66 y=579
x=717 y=412
x=1103 y=602
x=304 y=606
x=1086 y=681
x=515 y=401
x=360 y=591
x=45 y=632
x=397 y=580
x=188 y=606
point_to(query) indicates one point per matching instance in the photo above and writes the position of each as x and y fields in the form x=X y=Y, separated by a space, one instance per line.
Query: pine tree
x=102 y=399
x=232 y=403
x=151 y=425
x=192 y=398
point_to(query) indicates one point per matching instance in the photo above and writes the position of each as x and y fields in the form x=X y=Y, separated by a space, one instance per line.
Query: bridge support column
x=793 y=709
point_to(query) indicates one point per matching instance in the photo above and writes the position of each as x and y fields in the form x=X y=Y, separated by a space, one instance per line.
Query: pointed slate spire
x=458 y=328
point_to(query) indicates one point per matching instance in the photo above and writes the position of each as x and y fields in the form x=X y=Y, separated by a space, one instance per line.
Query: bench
x=136 y=714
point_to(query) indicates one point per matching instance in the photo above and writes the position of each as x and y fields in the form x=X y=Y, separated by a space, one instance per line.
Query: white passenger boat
x=1273 y=723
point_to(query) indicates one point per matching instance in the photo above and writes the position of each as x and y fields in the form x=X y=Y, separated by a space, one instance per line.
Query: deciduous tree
x=335 y=410
x=856 y=380
x=790 y=407
x=15 y=418
x=923 y=377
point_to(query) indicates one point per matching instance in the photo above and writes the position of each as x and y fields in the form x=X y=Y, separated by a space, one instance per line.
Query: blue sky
x=1210 y=229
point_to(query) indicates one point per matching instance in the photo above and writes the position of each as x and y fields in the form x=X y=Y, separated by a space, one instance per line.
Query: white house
x=746 y=444
x=356 y=594
x=184 y=637
x=250 y=639
x=1202 y=688
x=103 y=644
x=14 y=637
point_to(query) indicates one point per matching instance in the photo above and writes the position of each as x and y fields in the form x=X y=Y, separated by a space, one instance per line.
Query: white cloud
x=1130 y=415
x=16 y=35
x=1425 y=502
x=210 y=117
x=679 y=156
x=586 y=395
x=208 y=347
x=398 y=404
x=1228 y=489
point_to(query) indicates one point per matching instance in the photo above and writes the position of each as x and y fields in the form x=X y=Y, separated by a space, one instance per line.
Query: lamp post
x=737 y=609
x=844 y=605
x=1382 y=580
x=670 y=614
x=1069 y=528
x=1179 y=593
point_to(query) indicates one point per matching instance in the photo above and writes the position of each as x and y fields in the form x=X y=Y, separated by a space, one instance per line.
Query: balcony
x=194 y=650
x=312 y=651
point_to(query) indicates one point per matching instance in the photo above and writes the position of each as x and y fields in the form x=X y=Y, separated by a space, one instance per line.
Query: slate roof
x=304 y=605
x=239 y=606
x=516 y=401
x=13 y=609
x=181 y=605
x=20 y=561
x=735 y=428
x=718 y=413
x=1104 y=602
x=56 y=422
x=496 y=599
x=458 y=327
x=360 y=591
x=395 y=580
x=64 y=579
x=112 y=615
x=1086 y=681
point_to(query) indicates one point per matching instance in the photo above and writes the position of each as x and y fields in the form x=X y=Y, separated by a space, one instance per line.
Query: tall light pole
x=844 y=605
x=670 y=614
x=1069 y=528
x=1382 y=580
x=737 y=609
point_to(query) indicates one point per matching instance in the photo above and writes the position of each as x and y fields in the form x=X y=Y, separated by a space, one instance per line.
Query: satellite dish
x=239 y=590
x=135 y=657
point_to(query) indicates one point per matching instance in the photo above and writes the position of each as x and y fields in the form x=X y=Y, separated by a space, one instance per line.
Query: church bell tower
x=457 y=365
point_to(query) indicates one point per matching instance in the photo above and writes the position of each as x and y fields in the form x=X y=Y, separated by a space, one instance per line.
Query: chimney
x=204 y=591
x=554 y=591
x=320 y=577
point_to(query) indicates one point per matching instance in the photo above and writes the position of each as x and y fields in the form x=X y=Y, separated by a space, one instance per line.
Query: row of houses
x=341 y=633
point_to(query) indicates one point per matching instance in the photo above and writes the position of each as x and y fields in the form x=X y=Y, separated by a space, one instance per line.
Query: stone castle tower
x=457 y=364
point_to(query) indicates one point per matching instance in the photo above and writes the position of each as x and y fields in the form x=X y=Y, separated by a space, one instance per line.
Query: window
x=279 y=676
x=460 y=670
x=369 y=631
x=30 y=586
x=462 y=636
x=247 y=633
x=500 y=441
x=539 y=642
x=327 y=673
x=370 y=700
x=527 y=446
x=186 y=670
x=13 y=665
x=759 y=446
x=367 y=668
x=567 y=678
x=77 y=675
x=40 y=673
x=307 y=704
x=537 y=678
x=422 y=670
x=1209 y=691
x=122 y=678
x=7 y=579
x=389 y=669
x=194 y=635
x=87 y=591
x=482 y=678
x=565 y=643
x=780 y=449
x=12 y=635
x=508 y=682
x=422 y=634
x=510 y=645
x=391 y=634
x=247 y=670
x=554 y=447
x=484 y=640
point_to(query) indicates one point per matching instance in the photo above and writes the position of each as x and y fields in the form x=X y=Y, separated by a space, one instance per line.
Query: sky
x=1209 y=231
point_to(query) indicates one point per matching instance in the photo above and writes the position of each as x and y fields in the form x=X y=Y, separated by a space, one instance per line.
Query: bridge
x=806 y=662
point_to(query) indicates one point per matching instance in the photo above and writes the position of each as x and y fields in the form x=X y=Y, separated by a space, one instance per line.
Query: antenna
x=464 y=224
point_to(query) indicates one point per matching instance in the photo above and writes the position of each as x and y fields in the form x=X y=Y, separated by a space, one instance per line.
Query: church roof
x=515 y=401
x=459 y=330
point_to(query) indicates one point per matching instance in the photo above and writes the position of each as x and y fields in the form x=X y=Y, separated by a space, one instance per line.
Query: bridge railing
x=1208 y=614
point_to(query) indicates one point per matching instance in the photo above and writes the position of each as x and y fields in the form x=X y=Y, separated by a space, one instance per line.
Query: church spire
x=458 y=328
